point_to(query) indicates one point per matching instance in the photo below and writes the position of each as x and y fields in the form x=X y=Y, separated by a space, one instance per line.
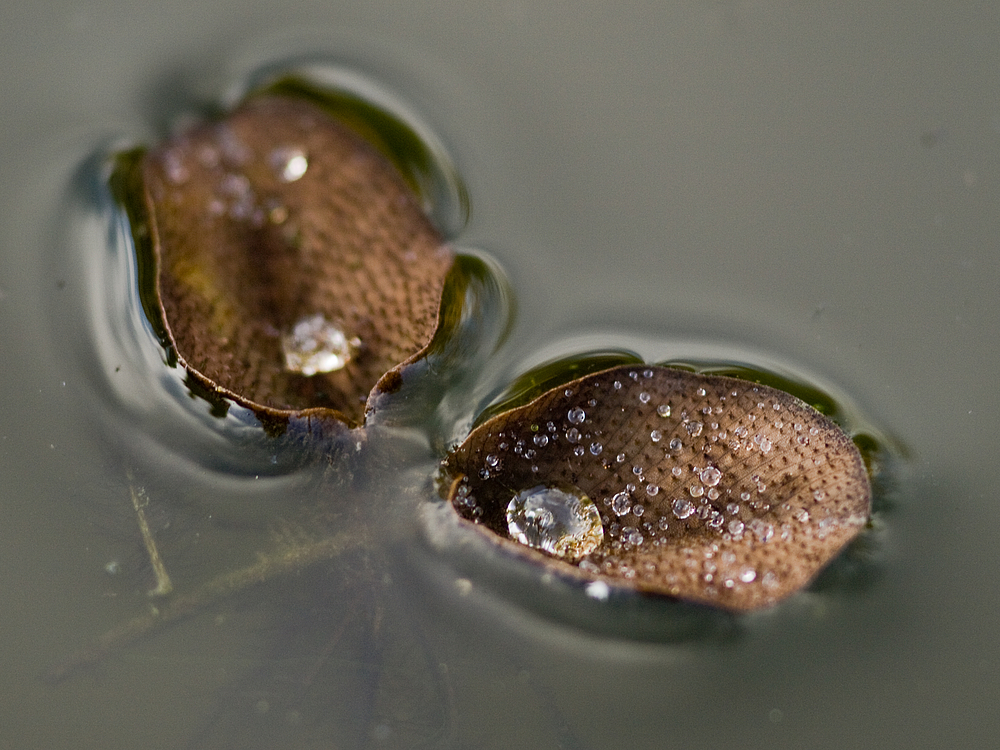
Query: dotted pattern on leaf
x=279 y=224
x=709 y=489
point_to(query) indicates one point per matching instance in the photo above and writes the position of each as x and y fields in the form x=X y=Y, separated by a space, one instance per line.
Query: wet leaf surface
x=295 y=266
x=706 y=488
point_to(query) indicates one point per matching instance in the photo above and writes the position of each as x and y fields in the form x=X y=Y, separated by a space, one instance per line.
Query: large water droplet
x=316 y=345
x=559 y=520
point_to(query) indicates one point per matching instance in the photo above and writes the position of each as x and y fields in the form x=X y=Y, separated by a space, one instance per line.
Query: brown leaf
x=295 y=267
x=708 y=488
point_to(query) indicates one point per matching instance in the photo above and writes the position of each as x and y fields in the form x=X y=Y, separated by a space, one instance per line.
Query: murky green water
x=812 y=192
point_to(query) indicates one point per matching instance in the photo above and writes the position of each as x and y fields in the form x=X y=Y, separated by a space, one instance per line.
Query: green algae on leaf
x=709 y=488
x=295 y=266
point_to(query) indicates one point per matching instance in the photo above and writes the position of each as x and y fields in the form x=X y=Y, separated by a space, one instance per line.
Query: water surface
x=808 y=190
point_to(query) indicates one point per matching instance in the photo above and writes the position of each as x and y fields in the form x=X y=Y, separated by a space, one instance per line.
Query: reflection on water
x=332 y=596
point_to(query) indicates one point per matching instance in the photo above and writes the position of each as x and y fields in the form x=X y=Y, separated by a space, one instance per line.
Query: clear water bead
x=682 y=508
x=559 y=520
x=710 y=476
x=663 y=410
x=289 y=162
x=576 y=416
x=621 y=504
x=316 y=345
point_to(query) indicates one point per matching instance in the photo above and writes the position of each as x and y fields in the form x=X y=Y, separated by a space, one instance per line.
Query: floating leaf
x=294 y=266
x=706 y=488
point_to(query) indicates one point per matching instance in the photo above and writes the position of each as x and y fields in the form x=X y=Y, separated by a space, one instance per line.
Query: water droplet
x=693 y=428
x=617 y=385
x=492 y=460
x=559 y=520
x=683 y=508
x=644 y=397
x=573 y=435
x=676 y=444
x=748 y=576
x=735 y=527
x=620 y=458
x=576 y=415
x=663 y=410
x=541 y=440
x=316 y=345
x=638 y=510
x=578 y=451
x=696 y=490
x=621 y=504
x=595 y=449
x=818 y=495
x=710 y=476
x=631 y=536
x=652 y=490
x=700 y=391
x=289 y=162
x=677 y=471
x=763 y=531
x=656 y=436
x=762 y=442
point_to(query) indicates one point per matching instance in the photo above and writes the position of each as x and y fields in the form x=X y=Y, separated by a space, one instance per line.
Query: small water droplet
x=762 y=442
x=492 y=460
x=700 y=391
x=621 y=504
x=578 y=451
x=735 y=527
x=677 y=471
x=693 y=428
x=289 y=162
x=573 y=435
x=710 y=476
x=541 y=440
x=819 y=495
x=595 y=449
x=559 y=520
x=620 y=458
x=682 y=508
x=696 y=490
x=763 y=531
x=631 y=536
x=676 y=444
x=656 y=436
x=617 y=385
x=652 y=490
x=644 y=397
x=663 y=410
x=316 y=345
x=576 y=415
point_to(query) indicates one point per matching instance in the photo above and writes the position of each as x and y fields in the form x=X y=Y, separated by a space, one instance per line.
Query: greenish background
x=809 y=185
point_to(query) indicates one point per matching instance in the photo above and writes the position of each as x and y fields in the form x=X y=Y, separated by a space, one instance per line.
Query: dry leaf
x=706 y=488
x=295 y=267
